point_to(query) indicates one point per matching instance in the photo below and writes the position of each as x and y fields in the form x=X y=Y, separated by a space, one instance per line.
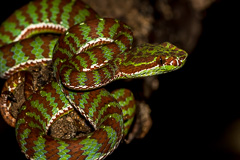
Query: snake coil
x=89 y=53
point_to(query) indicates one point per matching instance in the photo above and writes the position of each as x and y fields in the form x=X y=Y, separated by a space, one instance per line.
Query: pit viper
x=87 y=53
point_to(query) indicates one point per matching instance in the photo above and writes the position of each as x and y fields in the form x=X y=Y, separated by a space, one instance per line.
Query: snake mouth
x=175 y=62
x=171 y=61
x=40 y=28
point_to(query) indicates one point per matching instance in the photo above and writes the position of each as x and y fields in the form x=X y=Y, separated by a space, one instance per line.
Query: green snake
x=89 y=53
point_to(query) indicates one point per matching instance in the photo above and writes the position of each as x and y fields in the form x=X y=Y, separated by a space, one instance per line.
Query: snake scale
x=87 y=53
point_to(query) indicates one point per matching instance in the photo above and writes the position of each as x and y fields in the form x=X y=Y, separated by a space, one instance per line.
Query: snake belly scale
x=89 y=53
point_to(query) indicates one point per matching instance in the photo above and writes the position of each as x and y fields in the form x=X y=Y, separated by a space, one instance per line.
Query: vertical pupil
x=160 y=60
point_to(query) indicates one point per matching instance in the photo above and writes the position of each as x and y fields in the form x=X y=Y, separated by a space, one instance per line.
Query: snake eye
x=161 y=60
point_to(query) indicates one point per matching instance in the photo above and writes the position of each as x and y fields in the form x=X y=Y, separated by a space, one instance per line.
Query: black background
x=193 y=107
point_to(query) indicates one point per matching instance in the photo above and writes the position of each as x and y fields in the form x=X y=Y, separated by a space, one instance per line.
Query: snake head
x=149 y=60
x=170 y=57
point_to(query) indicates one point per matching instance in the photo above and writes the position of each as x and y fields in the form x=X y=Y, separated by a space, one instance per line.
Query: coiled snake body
x=90 y=53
